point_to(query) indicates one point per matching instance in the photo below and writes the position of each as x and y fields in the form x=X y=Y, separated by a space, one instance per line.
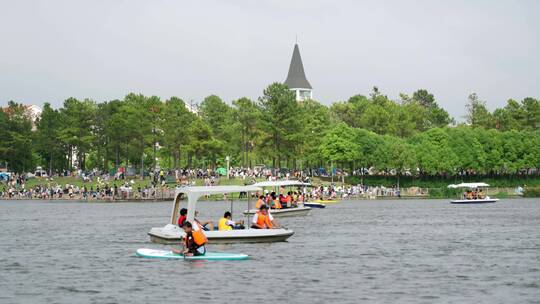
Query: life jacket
x=222 y=224
x=259 y=203
x=263 y=220
x=289 y=199
x=198 y=235
x=276 y=204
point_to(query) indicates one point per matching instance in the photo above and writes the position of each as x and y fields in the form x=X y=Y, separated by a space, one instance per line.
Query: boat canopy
x=468 y=185
x=281 y=183
x=195 y=192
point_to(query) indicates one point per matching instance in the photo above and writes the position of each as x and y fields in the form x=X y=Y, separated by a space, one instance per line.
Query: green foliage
x=531 y=192
x=16 y=138
x=444 y=192
x=280 y=123
x=174 y=122
x=339 y=144
x=404 y=140
x=477 y=113
x=246 y=119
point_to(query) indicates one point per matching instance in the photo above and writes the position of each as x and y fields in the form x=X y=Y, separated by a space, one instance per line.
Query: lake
x=384 y=251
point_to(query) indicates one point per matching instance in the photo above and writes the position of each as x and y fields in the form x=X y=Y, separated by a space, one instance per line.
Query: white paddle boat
x=290 y=211
x=172 y=234
x=474 y=194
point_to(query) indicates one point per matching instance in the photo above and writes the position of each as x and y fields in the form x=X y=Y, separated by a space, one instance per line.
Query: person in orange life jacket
x=289 y=199
x=259 y=202
x=274 y=202
x=183 y=217
x=206 y=225
x=263 y=219
x=194 y=240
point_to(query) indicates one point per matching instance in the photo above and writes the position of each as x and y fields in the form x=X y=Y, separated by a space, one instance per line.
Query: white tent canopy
x=468 y=185
x=195 y=192
x=282 y=183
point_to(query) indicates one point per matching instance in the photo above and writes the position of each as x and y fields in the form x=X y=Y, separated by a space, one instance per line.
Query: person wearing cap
x=263 y=219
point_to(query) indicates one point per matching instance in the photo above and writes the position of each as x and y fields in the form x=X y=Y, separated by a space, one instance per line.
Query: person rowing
x=194 y=240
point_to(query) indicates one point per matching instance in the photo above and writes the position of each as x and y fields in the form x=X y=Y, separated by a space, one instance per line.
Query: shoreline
x=211 y=199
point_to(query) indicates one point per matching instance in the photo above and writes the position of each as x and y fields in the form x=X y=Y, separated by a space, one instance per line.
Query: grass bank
x=440 y=182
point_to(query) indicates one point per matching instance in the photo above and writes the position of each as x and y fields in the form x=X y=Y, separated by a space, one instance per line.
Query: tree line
x=412 y=135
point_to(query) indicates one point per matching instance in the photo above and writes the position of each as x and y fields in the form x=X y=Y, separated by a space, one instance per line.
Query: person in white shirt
x=263 y=219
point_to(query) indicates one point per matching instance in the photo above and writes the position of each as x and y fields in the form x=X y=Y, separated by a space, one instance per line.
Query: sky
x=103 y=49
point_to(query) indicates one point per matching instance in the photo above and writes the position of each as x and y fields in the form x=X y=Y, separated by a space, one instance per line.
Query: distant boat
x=314 y=205
x=474 y=194
x=300 y=210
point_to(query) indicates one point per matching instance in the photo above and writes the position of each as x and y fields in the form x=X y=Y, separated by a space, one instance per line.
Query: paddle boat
x=474 y=194
x=167 y=254
x=314 y=205
x=172 y=234
x=290 y=211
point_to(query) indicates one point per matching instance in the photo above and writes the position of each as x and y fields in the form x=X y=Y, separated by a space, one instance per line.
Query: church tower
x=296 y=78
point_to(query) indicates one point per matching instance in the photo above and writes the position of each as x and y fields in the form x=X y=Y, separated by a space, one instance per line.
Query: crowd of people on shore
x=16 y=188
x=97 y=185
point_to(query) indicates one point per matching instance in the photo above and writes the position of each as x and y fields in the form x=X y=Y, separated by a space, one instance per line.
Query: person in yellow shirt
x=226 y=223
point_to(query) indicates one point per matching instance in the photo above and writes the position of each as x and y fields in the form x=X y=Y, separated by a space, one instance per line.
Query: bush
x=501 y=195
x=532 y=192
x=444 y=192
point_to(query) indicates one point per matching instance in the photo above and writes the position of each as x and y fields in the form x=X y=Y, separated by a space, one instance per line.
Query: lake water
x=398 y=251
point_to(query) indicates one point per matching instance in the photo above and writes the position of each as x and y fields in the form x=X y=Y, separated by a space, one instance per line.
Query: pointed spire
x=296 y=78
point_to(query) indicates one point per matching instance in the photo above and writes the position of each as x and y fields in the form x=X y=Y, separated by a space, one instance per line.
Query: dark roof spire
x=296 y=79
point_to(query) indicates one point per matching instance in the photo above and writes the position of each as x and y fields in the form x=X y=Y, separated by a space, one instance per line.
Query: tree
x=339 y=145
x=16 y=147
x=470 y=156
x=435 y=116
x=175 y=124
x=368 y=143
x=202 y=144
x=280 y=109
x=351 y=111
x=315 y=121
x=77 y=120
x=513 y=149
x=477 y=113
x=219 y=117
x=433 y=152
x=47 y=130
x=247 y=117
x=141 y=117
x=394 y=154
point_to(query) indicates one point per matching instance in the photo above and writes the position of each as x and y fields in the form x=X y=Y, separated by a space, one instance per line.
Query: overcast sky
x=52 y=50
